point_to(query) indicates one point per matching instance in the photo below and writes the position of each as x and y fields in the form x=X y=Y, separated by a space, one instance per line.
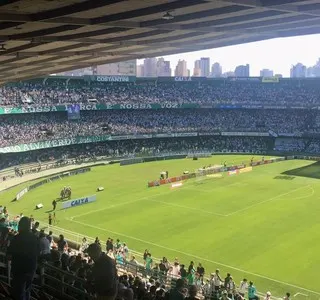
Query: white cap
x=268 y=294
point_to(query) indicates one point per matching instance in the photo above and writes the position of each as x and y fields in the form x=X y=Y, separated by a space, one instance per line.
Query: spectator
x=35 y=230
x=287 y=296
x=62 y=244
x=23 y=253
x=192 y=293
x=252 y=292
x=268 y=296
x=243 y=287
x=178 y=293
x=44 y=245
x=104 y=273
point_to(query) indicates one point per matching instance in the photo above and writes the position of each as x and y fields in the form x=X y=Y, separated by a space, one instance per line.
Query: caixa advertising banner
x=78 y=202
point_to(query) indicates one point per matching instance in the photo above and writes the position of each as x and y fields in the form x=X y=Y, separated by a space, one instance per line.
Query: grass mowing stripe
x=267 y=200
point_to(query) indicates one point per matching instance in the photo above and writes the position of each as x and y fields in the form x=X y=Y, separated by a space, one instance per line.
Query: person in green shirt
x=252 y=292
x=149 y=262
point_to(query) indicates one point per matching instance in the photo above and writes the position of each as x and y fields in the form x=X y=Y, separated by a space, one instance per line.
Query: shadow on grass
x=310 y=171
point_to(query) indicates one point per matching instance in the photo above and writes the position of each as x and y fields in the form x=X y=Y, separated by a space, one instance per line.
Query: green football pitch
x=262 y=225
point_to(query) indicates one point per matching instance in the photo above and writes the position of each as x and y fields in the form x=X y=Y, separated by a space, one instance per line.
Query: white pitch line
x=120 y=204
x=295 y=295
x=195 y=256
x=187 y=207
x=267 y=200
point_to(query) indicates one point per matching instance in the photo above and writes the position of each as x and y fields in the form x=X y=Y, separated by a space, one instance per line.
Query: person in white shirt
x=243 y=287
x=176 y=270
x=84 y=246
x=268 y=296
x=217 y=281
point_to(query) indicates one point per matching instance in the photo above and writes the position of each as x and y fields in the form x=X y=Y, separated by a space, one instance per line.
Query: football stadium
x=157 y=187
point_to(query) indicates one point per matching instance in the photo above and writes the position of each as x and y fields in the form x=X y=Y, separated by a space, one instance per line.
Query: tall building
x=266 y=73
x=163 y=67
x=242 y=71
x=150 y=67
x=128 y=68
x=140 y=71
x=205 y=66
x=216 y=70
x=314 y=71
x=197 y=69
x=228 y=74
x=297 y=71
x=181 y=69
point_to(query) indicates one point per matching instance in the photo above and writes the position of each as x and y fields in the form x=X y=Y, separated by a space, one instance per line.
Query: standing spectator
x=231 y=287
x=191 y=273
x=50 y=237
x=145 y=254
x=35 y=230
x=192 y=293
x=104 y=273
x=252 y=292
x=178 y=292
x=226 y=280
x=133 y=265
x=84 y=245
x=217 y=281
x=62 y=244
x=97 y=241
x=44 y=245
x=268 y=296
x=23 y=253
x=149 y=262
x=243 y=287
x=287 y=296
x=200 y=271
x=183 y=272
x=176 y=270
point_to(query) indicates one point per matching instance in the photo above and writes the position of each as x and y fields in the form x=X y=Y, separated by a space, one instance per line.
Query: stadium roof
x=40 y=37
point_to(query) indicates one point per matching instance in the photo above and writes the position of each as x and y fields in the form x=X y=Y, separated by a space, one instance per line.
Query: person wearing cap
x=252 y=292
x=104 y=273
x=23 y=253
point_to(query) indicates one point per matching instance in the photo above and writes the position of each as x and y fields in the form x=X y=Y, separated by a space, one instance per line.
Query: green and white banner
x=93 y=107
x=103 y=138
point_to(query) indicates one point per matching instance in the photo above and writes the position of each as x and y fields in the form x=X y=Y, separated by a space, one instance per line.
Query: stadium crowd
x=143 y=147
x=27 y=128
x=107 y=271
x=294 y=94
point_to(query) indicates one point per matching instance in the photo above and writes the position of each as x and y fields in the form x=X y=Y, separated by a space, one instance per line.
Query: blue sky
x=276 y=54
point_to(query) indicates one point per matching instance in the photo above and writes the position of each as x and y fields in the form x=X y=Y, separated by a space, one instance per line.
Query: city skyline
x=278 y=55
